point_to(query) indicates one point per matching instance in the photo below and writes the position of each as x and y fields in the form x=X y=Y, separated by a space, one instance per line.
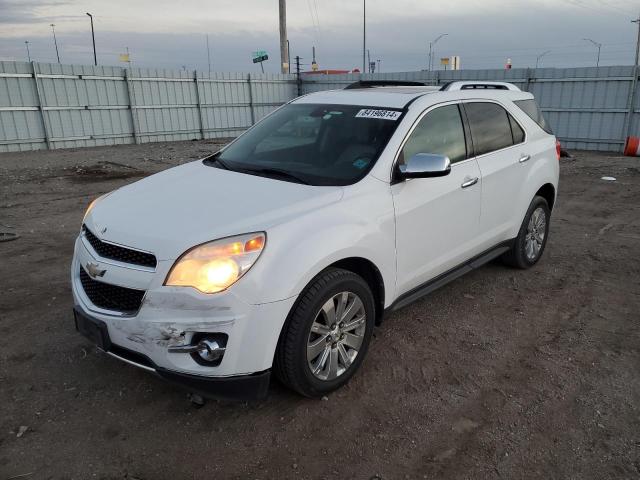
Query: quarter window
x=440 y=132
x=516 y=131
x=490 y=126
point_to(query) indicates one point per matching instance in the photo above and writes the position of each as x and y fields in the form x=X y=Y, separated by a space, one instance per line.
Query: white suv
x=283 y=250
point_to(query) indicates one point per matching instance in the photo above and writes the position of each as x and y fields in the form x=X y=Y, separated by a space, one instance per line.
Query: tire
x=297 y=347
x=529 y=246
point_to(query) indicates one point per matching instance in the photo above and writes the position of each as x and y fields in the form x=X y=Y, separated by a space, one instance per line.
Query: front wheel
x=532 y=237
x=327 y=334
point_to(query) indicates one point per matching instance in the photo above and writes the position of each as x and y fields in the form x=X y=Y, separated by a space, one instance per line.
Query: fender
x=544 y=168
x=306 y=245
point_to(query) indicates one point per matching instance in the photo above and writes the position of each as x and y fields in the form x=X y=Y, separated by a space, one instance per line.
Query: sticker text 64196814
x=381 y=114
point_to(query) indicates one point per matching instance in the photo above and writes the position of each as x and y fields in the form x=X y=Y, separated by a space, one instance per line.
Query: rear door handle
x=470 y=182
x=525 y=158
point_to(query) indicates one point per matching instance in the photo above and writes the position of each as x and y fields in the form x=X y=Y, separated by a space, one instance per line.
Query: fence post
x=628 y=124
x=527 y=84
x=253 y=114
x=134 y=130
x=45 y=127
x=199 y=103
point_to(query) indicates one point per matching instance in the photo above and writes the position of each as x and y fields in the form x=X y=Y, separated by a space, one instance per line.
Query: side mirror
x=426 y=165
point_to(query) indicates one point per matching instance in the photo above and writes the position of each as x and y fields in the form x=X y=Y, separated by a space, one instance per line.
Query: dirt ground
x=503 y=374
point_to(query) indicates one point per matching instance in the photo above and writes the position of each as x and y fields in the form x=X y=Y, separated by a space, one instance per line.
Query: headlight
x=215 y=266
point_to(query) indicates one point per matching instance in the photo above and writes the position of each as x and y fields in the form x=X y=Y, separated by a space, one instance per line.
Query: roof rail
x=383 y=83
x=479 y=85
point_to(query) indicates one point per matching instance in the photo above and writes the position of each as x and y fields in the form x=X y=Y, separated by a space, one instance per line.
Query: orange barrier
x=632 y=147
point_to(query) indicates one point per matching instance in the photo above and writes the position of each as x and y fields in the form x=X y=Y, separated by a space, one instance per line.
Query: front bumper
x=171 y=316
x=241 y=387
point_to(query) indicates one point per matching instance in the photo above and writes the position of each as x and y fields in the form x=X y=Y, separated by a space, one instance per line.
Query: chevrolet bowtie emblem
x=94 y=270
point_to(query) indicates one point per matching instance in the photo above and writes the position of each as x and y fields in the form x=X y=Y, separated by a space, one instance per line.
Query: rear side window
x=530 y=107
x=516 y=131
x=440 y=131
x=490 y=126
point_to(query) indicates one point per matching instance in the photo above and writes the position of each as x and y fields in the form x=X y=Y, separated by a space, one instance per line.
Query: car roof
x=399 y=97
x=390 y=97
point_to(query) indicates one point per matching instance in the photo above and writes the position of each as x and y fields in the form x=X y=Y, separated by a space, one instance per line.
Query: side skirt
x=449 y=276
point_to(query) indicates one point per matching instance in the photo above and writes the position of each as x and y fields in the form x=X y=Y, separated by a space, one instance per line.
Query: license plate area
x=95 y=330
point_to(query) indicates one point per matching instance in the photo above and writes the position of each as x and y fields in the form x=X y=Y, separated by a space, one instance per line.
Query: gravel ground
x=501 y=374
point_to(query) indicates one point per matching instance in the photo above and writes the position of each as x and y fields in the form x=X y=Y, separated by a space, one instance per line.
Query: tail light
x=558 y=149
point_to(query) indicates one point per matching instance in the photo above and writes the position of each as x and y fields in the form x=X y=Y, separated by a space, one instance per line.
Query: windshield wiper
x=215 y=159
x=266 y=171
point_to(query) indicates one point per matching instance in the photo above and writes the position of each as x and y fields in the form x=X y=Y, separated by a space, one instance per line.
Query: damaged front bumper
x=171 y=317
x=239 y=387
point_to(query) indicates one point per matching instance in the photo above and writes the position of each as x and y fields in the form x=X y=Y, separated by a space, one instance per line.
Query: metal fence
x=63 y=106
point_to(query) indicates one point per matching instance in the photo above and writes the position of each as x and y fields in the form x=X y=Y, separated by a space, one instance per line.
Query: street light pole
x=55 y=41
x=208 y=55
x=26 y=42
x=93 y=37
x=599 y=46
x=431 y=45
x=540 y=56
x=364 y=35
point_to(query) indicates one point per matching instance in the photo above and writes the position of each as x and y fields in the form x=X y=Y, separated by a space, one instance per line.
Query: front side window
x=313 y=144
x=440 y=132
x=490 y=126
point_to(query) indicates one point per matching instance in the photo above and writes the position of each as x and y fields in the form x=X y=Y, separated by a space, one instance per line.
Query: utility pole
x=364 y=34
x=26 y=42
x=208 y=55
x=93 y=38
x=431 y=45
x=55 y=41
x=288 y=56
x=540 y=56
x=284 y=43
x=598 y=46
x=369 y=60
x=298 y=75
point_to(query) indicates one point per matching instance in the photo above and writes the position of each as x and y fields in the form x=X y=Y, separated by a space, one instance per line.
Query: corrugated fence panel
x=226 y=103
x=60 y=106
x=165 y=104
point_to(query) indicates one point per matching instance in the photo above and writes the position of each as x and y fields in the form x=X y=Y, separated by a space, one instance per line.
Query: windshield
x=312 y=144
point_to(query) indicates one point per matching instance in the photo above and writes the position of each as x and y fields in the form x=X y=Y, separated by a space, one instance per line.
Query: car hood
x=170 y=212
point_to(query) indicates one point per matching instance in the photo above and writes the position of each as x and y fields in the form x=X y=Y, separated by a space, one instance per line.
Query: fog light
x=205 y=348
x=209 y=350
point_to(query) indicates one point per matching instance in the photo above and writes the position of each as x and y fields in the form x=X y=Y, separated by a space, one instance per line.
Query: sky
x=173 y=34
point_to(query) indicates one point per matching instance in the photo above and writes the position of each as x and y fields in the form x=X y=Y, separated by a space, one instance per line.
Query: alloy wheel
x=336 y=336
x=536 y=230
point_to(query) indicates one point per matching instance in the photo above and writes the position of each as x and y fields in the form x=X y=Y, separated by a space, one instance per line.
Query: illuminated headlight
x=215 y=266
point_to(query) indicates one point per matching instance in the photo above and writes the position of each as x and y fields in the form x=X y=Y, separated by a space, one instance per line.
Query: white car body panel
x=411 y=231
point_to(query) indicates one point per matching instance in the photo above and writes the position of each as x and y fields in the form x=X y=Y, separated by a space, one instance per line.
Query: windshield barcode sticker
x=381 y=114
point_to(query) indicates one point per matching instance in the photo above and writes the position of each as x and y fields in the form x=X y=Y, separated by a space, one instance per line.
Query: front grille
x=121 y=254
x=111 y=297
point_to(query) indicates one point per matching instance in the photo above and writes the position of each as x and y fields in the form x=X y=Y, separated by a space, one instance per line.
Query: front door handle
x=470 y=182
x=525 y=158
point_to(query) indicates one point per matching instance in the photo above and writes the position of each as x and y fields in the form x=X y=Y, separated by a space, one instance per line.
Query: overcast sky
x=172 y=34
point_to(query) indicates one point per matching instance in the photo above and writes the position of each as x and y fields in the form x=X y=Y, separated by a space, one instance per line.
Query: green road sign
x=260 y=56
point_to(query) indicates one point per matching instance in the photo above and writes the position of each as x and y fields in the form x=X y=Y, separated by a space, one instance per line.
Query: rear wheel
x=327 y=333
x=532 y=237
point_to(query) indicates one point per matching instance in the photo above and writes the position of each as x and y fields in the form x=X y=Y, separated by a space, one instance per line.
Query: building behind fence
x=64 y=106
